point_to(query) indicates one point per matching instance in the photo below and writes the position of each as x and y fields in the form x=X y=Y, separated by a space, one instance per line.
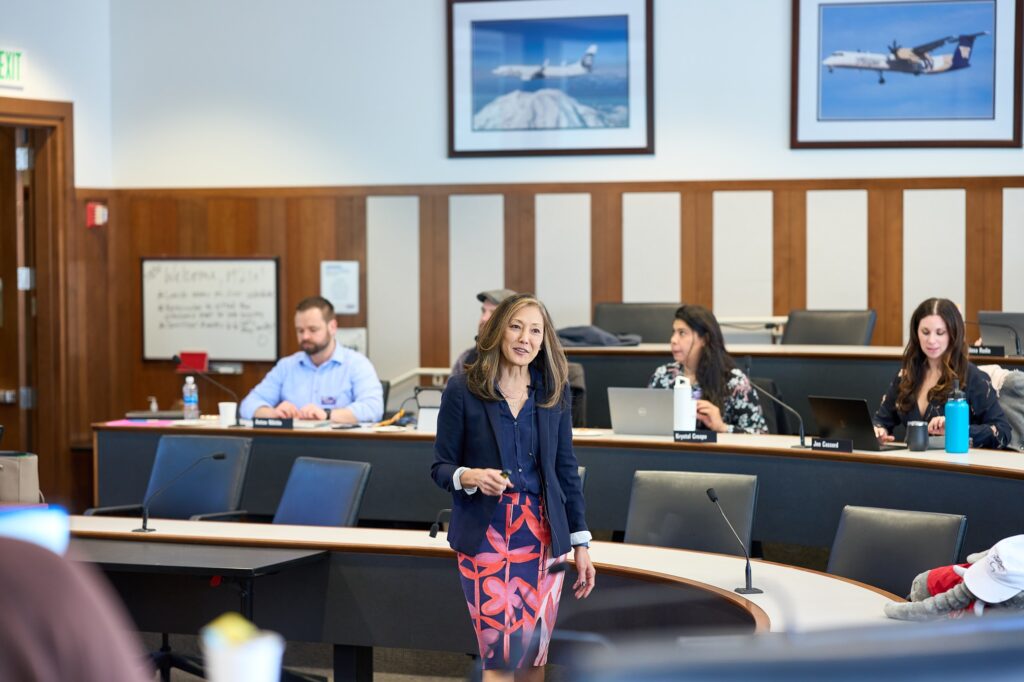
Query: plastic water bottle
x=957 y=440
x=684 y=409
x=190 y=394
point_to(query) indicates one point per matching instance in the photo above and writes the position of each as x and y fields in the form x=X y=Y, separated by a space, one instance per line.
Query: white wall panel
x=476 y=252
x=934 y=239
x=837 y=249
x=742 y=262
x=393 y=284
x=563 y=257
x=1013 y=250
x=650 y=247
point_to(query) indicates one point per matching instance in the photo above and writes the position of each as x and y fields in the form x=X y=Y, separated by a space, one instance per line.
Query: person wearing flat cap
x=489 y=300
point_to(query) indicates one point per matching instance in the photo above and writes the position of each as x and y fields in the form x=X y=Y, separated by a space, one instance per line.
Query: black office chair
x=887 y=548
x=774 y=414
x=830 y=327
x=319 y=492
x=651 y=321
x=385 y=387
x=578 y=391
x=672 y=509
x=211 y=486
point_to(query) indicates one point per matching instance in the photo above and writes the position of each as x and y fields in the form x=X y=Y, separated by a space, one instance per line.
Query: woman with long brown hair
x=728 y=401
x=504 y=452
x=935 y=356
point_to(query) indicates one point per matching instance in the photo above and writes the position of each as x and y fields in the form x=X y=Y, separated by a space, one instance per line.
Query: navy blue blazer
x=467 y=429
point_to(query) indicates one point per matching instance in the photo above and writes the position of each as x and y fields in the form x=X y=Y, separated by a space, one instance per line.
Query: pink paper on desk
x=140 y=422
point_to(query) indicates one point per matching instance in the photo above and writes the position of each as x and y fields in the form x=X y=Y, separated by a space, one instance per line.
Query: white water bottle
x=190 y=395
x=684 y=407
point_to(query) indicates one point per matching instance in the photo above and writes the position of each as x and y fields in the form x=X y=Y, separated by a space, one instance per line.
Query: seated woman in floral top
x=727 y=401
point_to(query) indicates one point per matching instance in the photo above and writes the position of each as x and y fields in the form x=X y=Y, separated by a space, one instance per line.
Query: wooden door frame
x=54 y=188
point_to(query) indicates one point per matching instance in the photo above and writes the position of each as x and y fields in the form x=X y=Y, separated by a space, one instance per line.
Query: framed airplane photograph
x=906 y=73
x=545 y=77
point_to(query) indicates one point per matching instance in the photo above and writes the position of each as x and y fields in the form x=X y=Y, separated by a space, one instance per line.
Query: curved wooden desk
x=794 y=599
x=801 y=492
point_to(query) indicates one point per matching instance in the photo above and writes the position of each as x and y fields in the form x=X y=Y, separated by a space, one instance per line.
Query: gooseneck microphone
x=749 y=588
x=761 y=391
x=207 y=377
x=436 y=525
x=145 y=503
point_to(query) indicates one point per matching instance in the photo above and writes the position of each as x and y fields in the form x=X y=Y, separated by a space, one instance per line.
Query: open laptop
x=848 y=419
x=640 y=411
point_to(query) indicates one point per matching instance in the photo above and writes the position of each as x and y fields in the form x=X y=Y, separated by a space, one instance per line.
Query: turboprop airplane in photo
x=529 y=72
x=912 y=60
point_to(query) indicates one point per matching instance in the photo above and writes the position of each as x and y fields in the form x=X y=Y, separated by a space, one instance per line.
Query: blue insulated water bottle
x=956 y=420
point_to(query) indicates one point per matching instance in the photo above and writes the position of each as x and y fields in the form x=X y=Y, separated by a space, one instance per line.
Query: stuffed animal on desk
x=990 y=580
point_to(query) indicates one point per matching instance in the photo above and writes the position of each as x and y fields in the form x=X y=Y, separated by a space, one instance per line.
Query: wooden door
x=10 y=417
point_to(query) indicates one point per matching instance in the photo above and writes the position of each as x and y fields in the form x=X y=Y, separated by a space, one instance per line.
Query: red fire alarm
x=96 y=214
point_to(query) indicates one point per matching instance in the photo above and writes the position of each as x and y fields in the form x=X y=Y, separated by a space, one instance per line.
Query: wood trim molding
x=521 y=241
x=984 y=255
x=697 y=246
x=606 y=246
x=789 y=251
x=885 y=264
x=434 y=282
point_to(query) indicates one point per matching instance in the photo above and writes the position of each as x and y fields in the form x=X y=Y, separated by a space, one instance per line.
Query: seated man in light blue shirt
x=322 y=381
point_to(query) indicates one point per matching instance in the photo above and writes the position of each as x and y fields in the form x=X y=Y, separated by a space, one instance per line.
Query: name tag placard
x=695 y=436
x=831 y=444
x=272 y=423
x=992 y=351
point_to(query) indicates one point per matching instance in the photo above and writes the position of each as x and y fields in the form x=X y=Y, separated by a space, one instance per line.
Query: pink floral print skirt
x=512 y=596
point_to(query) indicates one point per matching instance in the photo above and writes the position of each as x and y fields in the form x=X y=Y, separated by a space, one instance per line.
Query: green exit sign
x=12 y=64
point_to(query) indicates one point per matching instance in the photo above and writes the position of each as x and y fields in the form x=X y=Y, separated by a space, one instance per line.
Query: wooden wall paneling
x=520 y=241
x=231 y=228
x=984 y=255
x=351 y=245
x=434 y=320
x=606 y=246
x=885 y=264
x=89 y=321
x=789 y=251
x=311 y=225
x=696 y=244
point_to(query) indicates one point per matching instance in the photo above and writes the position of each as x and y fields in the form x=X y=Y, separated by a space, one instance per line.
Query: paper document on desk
x=310 y=423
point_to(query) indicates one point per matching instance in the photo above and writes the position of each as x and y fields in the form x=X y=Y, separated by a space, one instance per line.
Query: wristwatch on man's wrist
x=582 y=544
x=327 y=411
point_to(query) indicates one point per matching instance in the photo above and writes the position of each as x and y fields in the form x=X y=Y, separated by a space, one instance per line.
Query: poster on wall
x=906 y=73
x=529 y=77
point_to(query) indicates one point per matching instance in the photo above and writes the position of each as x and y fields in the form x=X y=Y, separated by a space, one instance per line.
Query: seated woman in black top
x=936 y=354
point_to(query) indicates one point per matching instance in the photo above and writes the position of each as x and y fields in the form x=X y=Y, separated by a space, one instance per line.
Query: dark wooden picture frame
x=893 y=95
x=550 y=77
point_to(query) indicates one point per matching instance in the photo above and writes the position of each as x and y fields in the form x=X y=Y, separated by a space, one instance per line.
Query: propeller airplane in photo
x=911 y=60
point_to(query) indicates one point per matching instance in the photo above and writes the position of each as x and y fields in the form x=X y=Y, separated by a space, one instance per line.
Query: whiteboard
x=226 y=307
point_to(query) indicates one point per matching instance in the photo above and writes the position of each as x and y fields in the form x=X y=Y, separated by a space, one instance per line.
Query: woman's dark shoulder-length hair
x=715 y=365
x=482 y=374
x=954 y=361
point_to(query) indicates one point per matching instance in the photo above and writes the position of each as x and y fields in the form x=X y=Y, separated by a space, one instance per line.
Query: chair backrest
x=652 y=321
x=323 y=492
x=385 y=388
x=672 y=509
x=887 y=548
x=830 y=327
x=578 y=391
x=774 y=414
x=211 y=486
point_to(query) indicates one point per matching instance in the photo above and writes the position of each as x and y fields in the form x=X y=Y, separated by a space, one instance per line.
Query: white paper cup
x=256 y=660
x=227 y=413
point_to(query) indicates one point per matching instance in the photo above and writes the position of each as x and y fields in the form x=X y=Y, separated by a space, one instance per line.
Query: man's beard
x=311 y=348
